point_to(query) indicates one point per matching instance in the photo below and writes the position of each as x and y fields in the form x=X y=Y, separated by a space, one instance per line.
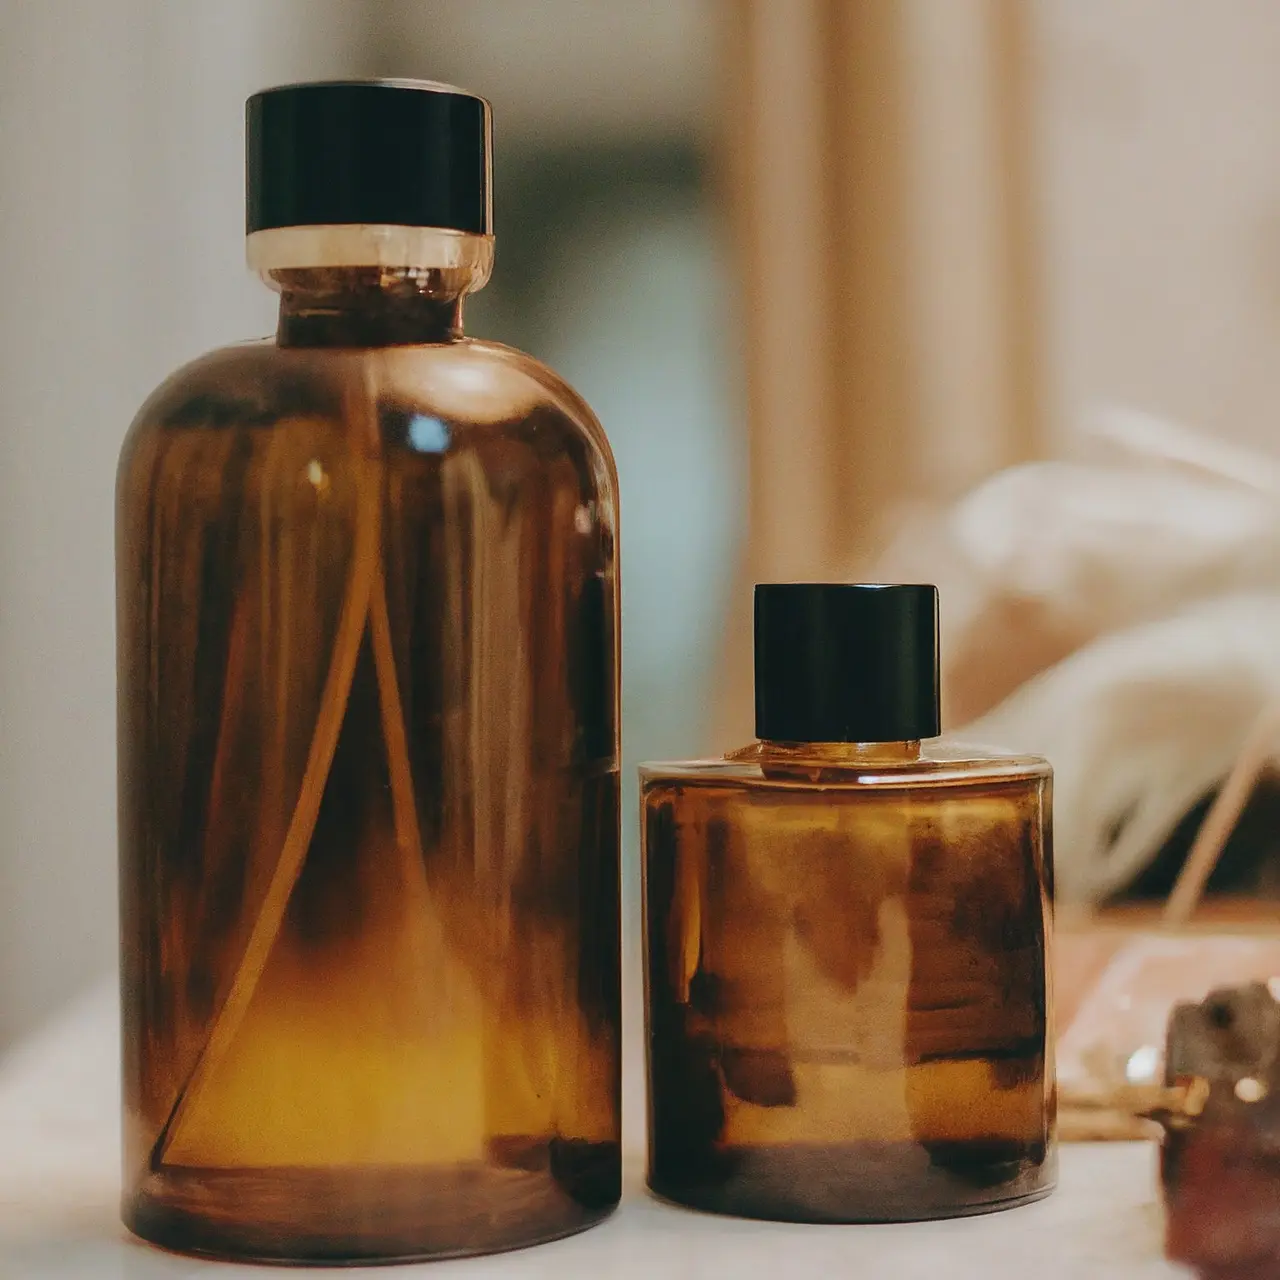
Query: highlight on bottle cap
x=400 y=153
x=846 y=662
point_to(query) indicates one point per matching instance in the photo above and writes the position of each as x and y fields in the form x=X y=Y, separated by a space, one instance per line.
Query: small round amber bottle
x=367 y=642
x=848 y=998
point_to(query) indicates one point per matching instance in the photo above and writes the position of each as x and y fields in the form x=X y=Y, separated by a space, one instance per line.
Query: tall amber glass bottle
x=368 y=635
x=848 y=1000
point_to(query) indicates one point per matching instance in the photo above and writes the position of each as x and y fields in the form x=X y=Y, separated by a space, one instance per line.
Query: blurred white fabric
x=1118 y=612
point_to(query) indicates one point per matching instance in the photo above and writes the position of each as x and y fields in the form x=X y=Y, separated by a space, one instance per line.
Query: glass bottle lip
x=938 y=762
x=459 y=258
x=879 y=752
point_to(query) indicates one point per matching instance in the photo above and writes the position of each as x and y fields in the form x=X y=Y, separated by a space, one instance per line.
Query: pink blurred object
x=1120 y=985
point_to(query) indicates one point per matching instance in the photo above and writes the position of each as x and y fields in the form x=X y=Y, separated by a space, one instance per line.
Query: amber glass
x=848 y=1002
x=368 y=791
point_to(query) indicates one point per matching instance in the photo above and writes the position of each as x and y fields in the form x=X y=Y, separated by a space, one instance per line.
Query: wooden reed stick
x=1222 y=817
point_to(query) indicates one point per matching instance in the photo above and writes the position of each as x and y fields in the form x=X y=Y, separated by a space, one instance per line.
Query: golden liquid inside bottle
x=369 y=794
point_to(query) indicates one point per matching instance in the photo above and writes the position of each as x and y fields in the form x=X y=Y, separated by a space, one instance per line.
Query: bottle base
x=366 y=1216
x=857 y=1182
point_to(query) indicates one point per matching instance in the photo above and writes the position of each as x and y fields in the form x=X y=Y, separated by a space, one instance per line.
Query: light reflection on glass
x=428 y=434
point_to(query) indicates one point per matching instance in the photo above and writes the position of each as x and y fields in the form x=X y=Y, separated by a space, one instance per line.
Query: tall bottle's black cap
x=845 y=662
x=405 y=152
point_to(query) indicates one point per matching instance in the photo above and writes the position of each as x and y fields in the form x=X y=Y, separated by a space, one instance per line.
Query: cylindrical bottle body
x=848 y=998
x=367 y=645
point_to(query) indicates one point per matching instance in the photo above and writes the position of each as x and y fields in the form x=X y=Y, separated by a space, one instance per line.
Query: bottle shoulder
x=516 y=366
x=247 y=384
x=941 y=763
x=467 y=388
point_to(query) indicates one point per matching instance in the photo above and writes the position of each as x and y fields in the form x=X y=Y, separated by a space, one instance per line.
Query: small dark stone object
x=1220 y=1159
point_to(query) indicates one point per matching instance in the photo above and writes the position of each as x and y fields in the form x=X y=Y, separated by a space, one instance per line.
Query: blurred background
x=813 y=262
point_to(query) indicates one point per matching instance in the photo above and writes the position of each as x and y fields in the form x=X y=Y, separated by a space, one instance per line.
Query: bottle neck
x=370 y=286
x=814 y=761
x=364 y=307
x=841 y=752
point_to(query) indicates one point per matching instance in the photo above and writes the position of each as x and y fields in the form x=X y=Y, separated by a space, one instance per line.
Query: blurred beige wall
x=1160 y=193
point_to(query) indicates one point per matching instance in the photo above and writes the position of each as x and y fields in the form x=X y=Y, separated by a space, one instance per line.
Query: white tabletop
x=59 y=1131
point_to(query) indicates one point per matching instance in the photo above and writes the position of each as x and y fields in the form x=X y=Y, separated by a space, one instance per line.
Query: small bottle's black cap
x=841 y=662
x=406 y=152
